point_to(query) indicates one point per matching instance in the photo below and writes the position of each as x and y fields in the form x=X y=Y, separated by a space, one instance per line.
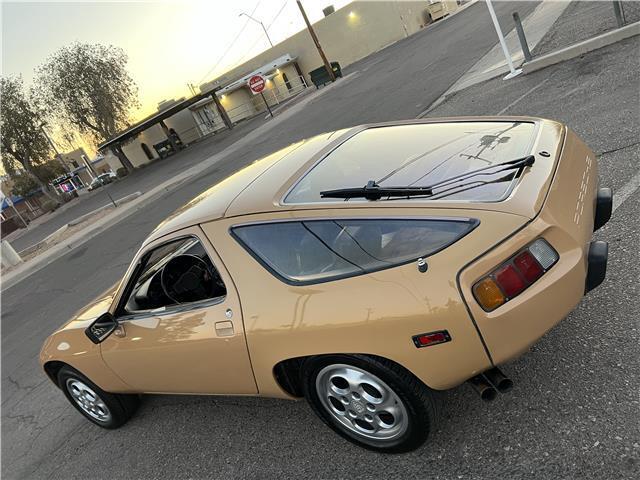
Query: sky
x=169 y=43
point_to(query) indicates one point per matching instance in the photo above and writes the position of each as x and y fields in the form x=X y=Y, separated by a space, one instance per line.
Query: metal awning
x=154 y=119
x=265 y=70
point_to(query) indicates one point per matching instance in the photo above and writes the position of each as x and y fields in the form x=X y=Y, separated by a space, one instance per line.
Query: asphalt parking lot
x=574 y=412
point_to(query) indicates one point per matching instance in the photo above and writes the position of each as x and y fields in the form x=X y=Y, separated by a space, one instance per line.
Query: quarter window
x=174 y=274
x=320 y=250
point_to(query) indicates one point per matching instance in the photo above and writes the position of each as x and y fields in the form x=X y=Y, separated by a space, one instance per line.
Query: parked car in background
x=362 y=270
x=102 y=179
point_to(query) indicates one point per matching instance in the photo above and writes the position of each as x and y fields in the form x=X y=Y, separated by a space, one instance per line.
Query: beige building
x=347 y=35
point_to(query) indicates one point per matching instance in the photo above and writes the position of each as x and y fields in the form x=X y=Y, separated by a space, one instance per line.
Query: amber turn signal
x=511 y=278
x=488 y=294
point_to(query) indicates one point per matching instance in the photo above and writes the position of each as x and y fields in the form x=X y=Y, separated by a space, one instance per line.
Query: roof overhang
x=154 y=119
x=267 y=70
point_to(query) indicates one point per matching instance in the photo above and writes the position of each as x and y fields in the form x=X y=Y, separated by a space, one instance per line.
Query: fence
x=209 y=120
x=582 y=20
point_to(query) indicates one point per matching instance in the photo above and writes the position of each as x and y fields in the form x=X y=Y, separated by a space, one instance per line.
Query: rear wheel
x=370 y=401
x=108 y=410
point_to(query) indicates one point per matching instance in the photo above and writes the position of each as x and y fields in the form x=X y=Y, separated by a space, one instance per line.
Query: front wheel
x=108 y=410
x=370 y=401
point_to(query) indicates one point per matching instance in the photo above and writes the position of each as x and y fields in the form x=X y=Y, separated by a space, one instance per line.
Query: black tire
x=120 y=407
x=418 y=400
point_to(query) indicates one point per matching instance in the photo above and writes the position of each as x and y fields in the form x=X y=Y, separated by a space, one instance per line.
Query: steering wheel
x=187 y=278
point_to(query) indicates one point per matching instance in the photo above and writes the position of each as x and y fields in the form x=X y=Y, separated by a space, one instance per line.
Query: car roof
x=263 y=185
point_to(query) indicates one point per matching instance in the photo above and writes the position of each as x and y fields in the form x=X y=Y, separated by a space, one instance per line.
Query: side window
x=319 y=250
x=173 y=274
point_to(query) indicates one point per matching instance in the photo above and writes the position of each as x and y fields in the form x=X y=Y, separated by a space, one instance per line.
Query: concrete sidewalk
x=493 y=63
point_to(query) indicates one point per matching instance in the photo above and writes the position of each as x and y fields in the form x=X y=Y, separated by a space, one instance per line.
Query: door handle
x=224 y=329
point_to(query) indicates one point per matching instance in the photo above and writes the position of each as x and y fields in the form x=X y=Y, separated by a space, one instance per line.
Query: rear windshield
x=311 y=251
x=420 y=155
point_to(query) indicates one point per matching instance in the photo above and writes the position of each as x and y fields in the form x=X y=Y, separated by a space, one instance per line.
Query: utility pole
x=327 y=65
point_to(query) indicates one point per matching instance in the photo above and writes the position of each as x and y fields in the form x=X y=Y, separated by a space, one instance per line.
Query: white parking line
x=626 y=191
x=524 y=95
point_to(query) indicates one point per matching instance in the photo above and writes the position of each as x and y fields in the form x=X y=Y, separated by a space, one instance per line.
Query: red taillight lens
x=515 y=275
x=433 y=338
x=528 y=266
x=509 y=281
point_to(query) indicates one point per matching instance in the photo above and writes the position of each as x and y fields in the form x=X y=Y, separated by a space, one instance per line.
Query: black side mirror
x=101 y=328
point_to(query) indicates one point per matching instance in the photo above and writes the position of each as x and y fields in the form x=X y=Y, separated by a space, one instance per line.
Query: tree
x=24 y=184
x=21 y=139
x=88 y=86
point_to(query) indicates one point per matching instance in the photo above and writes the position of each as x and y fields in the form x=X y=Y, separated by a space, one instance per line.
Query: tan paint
x=184 y=352
x=377 y=313
x=514 y=327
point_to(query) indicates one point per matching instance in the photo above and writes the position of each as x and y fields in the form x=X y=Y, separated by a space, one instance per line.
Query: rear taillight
x=515 y=275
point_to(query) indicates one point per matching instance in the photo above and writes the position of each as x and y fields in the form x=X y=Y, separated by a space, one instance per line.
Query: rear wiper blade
x=488 y=170
x=373 y=191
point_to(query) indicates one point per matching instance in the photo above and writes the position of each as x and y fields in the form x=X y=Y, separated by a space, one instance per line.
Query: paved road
x=573 y=413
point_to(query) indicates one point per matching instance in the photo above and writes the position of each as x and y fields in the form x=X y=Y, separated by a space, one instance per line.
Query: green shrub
x=121 y=172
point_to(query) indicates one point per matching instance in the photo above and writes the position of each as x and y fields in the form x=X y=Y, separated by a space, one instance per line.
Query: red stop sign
x=257 y=83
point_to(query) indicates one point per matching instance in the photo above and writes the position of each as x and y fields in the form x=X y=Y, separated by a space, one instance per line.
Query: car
x=365 y=270
x=101 y=180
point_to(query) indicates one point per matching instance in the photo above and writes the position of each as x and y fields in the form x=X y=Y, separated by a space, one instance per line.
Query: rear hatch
x=424 y=154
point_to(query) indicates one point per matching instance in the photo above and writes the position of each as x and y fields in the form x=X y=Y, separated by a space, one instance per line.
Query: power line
x=235 y=39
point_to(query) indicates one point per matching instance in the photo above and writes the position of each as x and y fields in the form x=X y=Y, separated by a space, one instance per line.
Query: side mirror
x=101 y=328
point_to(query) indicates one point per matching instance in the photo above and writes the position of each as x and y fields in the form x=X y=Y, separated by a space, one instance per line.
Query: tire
x=107 y=410
x=370 y=401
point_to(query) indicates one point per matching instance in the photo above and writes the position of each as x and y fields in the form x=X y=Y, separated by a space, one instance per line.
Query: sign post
x=256 y=85
x=512 y=70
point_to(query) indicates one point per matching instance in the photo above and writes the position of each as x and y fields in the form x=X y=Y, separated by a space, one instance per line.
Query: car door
x=181 y=328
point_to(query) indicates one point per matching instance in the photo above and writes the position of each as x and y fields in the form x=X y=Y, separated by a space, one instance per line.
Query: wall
x=347 y=35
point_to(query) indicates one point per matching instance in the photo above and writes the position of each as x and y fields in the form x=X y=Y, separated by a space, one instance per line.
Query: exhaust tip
x=499 y=380
x=483 y=388
x=489 y=394
x=504 y=385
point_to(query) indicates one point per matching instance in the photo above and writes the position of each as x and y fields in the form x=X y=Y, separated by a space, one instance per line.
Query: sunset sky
x=169 y=44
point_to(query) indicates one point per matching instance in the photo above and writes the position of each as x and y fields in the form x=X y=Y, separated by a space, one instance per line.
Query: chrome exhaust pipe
x=499 y=380
x=482 y=386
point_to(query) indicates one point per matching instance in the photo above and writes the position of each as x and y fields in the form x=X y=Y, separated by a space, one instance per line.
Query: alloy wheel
x=88 y=401
x=361 y=402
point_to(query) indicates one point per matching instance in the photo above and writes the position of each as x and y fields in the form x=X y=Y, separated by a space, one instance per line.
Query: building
x=81 y=170
x=347 y=35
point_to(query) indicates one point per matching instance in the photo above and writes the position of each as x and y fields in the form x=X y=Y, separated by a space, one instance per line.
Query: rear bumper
x=604 y=207
x=597 y=264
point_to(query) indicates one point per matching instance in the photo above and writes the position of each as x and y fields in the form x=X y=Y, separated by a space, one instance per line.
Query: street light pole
x=513 y=72
x=327 y=65
x=261 y=24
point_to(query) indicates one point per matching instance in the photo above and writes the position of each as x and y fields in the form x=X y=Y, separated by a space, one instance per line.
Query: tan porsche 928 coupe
x=361 y=269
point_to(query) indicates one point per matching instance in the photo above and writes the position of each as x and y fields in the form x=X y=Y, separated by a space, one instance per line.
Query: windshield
x=418 y=155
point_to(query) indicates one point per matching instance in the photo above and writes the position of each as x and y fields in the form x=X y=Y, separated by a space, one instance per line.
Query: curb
x=120 y=201
x=581 y=48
